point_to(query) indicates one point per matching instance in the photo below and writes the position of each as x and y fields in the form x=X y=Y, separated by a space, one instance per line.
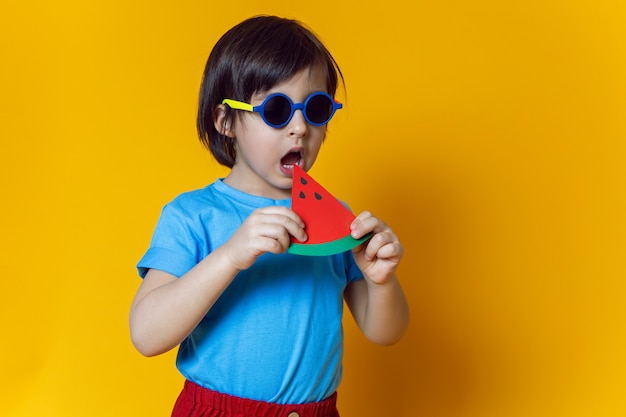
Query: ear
x=221 y=122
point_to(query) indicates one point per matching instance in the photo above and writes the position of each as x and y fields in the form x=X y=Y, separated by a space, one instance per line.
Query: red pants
x=195 y=401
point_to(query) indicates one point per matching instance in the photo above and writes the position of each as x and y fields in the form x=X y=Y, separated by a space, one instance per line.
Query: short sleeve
x=353 y=273
x=173 y=248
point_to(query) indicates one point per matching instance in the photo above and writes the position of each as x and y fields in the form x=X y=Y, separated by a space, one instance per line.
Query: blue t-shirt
x=275 y=333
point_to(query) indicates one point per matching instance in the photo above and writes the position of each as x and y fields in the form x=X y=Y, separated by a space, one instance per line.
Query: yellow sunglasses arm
x=237 y=105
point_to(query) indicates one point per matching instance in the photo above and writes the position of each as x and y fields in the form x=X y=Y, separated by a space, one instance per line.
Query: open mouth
x=292 y=158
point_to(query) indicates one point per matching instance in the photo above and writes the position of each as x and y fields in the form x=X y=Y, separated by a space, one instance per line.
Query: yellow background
x=489 y=134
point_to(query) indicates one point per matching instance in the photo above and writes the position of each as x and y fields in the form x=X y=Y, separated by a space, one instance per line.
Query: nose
x=297 y=125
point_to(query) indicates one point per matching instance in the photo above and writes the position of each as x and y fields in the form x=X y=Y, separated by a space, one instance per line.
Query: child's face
x=266 y=155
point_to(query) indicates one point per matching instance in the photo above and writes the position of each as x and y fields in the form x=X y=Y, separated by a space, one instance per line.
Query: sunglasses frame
x=240 y=105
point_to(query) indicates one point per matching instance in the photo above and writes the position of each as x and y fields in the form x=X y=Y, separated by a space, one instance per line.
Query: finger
x=274 y=245
x=264 y=244
x=362 y=216
x=383 y=245
x=282 y=211
x=390 y=250
x=281 y=216
x=372 y=247
x=275 y=232
x=292 y=226
x=365 y=223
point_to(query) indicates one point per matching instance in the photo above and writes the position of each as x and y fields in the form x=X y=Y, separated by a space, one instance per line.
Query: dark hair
x=254 y=56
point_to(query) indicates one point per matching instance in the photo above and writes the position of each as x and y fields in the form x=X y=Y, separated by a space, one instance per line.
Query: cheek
x=256 y=147
x=317 y=136
x=260 y=144
x=314 y=146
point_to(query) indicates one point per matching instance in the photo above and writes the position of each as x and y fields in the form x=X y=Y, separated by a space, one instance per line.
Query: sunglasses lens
x=277 y=110
x=319 y=109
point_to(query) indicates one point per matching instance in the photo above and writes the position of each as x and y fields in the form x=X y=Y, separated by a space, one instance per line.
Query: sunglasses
x=278 y=109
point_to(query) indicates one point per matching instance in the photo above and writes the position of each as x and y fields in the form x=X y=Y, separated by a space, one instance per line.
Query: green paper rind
x=328 y=248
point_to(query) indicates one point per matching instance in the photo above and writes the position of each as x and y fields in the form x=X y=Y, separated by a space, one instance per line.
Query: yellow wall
x=490 y=134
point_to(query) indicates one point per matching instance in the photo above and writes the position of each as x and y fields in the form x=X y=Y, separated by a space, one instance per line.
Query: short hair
x=254 y=56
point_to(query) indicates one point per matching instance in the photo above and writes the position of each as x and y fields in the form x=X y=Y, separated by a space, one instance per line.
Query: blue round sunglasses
x=278 y=109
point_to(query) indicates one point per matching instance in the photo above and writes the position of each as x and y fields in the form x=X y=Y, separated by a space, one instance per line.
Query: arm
x=166 y=309
x=377 y=302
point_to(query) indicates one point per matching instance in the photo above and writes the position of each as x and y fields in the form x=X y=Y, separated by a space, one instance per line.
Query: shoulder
x=192 y=201
x=193 y=196
x=210 y=208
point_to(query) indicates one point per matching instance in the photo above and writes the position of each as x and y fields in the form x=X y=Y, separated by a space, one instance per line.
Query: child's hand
x=378 y=257
x=265 y=230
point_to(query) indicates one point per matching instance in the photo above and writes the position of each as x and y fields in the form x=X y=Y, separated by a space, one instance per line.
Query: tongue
x=290 y=159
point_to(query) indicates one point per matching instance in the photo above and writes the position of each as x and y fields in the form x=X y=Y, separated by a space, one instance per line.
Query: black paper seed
x=317 y=196
x=302 y=195
x=303 y=181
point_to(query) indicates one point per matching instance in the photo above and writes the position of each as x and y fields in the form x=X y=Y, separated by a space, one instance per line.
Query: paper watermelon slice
x=327 y=220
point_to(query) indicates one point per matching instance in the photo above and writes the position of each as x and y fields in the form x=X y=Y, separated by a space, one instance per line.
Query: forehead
x=299 y=85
